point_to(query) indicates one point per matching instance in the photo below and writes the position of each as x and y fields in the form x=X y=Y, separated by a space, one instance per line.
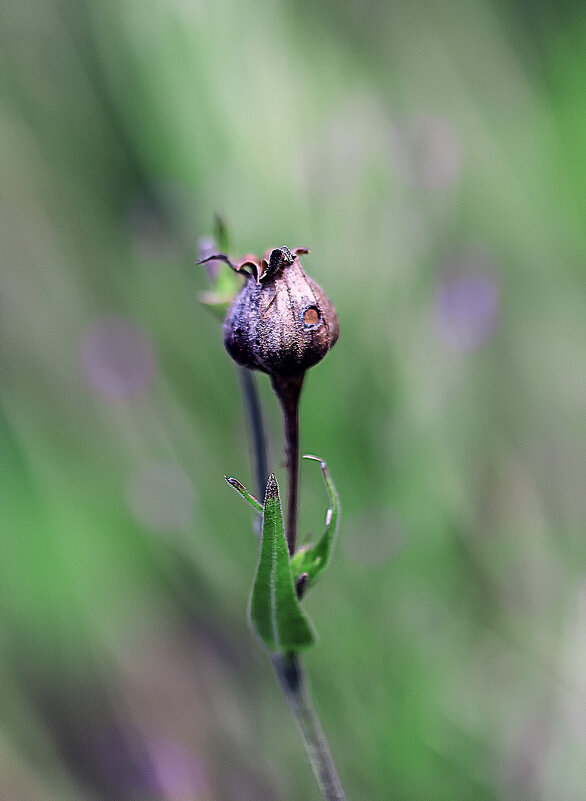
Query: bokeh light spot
x=467 y=301
x=161 y=497
x=118 y=357
x=180 y=774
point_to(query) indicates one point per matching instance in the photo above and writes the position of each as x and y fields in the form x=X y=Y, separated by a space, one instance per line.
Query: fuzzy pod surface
x=281 y=322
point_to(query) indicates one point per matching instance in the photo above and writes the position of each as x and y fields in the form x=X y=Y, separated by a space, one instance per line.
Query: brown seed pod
x=281 y=322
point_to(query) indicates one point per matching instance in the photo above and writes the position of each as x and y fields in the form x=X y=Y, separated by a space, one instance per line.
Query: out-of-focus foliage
x=431 y=156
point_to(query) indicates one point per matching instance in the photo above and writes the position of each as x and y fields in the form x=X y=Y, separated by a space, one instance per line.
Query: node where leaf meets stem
x=282 y=323
x=288 y=390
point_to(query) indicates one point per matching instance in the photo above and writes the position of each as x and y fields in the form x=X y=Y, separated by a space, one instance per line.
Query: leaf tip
x=315 y=459
x=272 y=490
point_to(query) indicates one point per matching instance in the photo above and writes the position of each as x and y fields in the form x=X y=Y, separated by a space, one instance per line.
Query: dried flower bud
x=281 y=322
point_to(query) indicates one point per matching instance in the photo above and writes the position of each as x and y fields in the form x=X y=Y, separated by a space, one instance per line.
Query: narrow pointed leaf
x=314 y=559
x=241 y=489
x=221 y=233
x=275 y=613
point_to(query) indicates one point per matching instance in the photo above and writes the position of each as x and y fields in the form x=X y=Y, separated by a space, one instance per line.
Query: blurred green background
x=432 y=156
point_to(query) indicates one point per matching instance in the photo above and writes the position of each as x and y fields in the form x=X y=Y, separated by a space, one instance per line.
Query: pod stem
x=288 y=390
x=288 y=667
x=290 y=674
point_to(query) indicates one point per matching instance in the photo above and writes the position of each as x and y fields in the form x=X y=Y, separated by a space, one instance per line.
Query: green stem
x=290 y=674
x=288 y=667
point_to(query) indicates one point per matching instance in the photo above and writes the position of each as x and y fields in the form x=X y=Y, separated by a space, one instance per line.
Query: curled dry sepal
x=275 y=612
x=281 y=321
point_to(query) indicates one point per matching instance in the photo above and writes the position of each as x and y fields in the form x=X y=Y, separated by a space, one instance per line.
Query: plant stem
x=288 y=667
x=288 y=391
x=257 y=430
x=289 y=672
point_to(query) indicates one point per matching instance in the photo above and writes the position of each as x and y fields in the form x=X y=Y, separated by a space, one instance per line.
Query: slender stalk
x=288 y=667
x=288 y=390
x=290 y=674
x=257 y=430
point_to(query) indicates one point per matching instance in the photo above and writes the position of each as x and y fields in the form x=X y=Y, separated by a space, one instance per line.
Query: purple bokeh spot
x=122 y=763
x=179 y=773
x=467 y=302
x=118 y=357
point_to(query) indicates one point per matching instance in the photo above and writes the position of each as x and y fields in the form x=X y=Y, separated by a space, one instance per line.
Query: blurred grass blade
x=241 y=489
x=275 y=613
x=222 y=233
x=225 y=288
x=313 y=559
x=224 y=283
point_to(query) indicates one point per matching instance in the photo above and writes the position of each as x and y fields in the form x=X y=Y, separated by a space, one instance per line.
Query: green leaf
x=275 y=613
x=221 y=233
x=241 y=489
x=226 y=286
x=313 y=559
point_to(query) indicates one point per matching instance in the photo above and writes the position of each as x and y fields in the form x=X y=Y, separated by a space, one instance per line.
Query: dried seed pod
x=281 y=322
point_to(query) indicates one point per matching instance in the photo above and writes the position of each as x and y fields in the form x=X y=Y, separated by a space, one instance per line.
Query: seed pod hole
x=311 y=317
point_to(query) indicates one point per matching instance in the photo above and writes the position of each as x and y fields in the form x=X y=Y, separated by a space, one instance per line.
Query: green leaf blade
x=241 y=490
x=314 y=559
x=275 y=613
